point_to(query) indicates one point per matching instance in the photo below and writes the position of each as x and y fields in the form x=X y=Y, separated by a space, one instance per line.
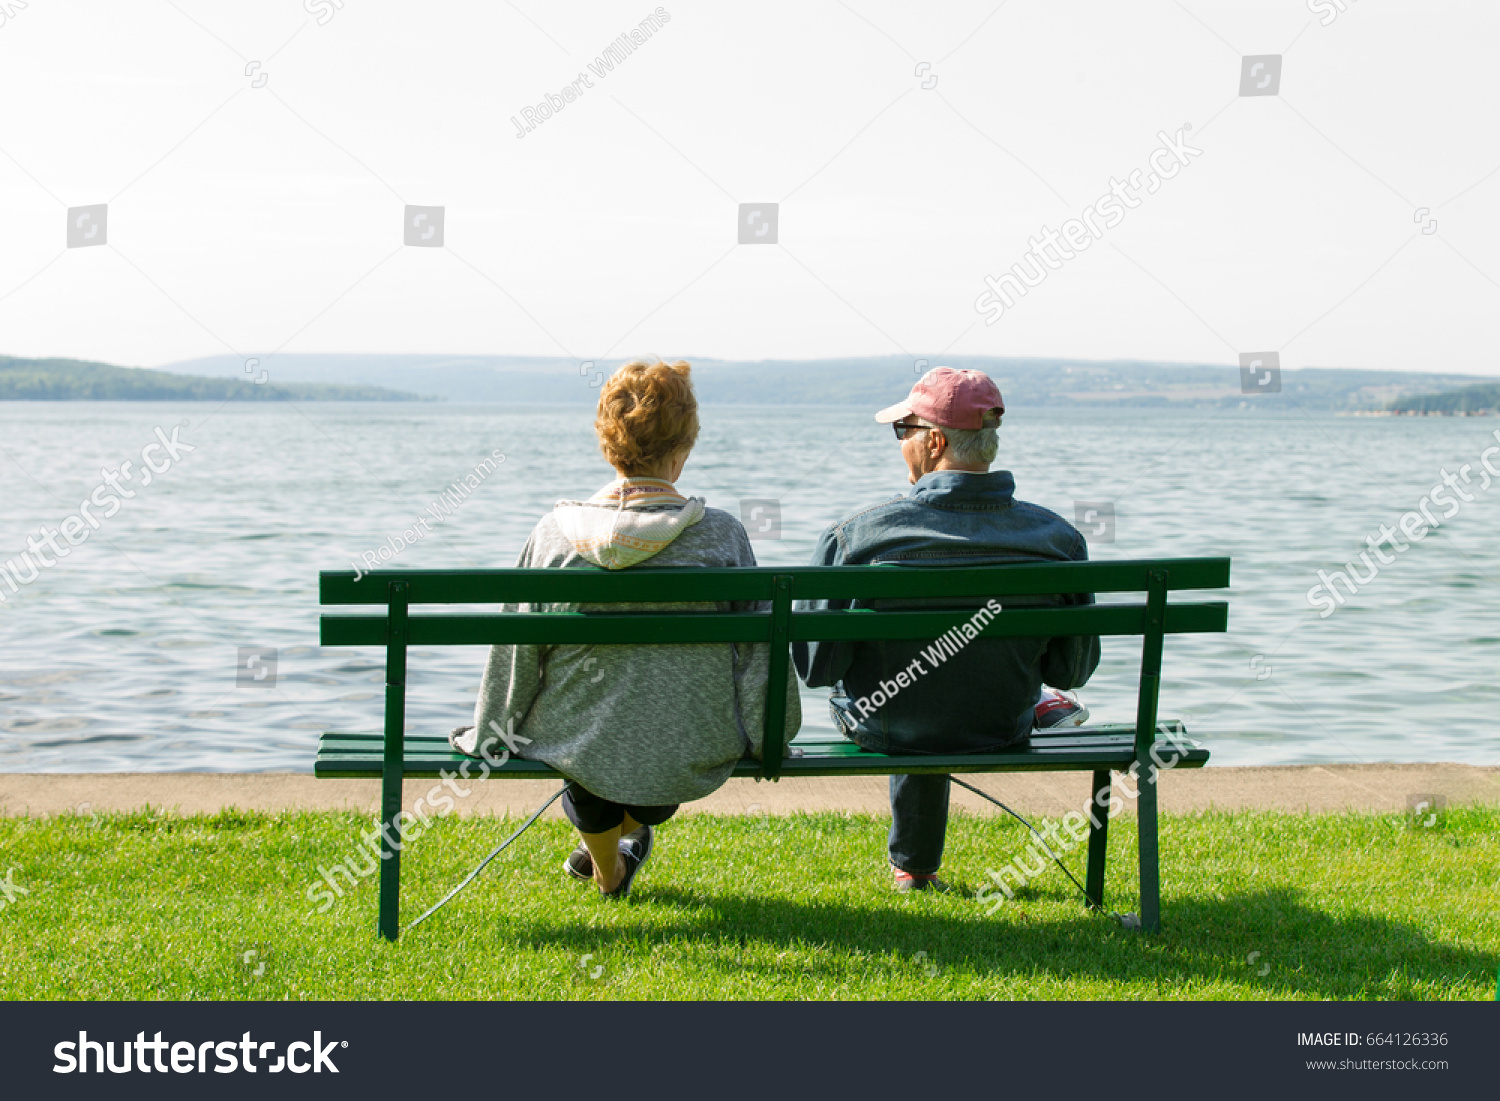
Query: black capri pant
x=593 y=814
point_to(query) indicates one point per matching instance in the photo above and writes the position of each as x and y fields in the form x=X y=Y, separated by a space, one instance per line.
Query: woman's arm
x=512 y=680
x=510 y=685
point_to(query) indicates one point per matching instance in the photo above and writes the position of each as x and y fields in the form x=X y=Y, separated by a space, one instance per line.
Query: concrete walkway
x=1310 y=788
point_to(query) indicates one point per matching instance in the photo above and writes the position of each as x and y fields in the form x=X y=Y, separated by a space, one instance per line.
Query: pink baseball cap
x=949 y=399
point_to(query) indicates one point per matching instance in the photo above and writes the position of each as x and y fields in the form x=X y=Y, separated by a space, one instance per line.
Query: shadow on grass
x=1269 y=942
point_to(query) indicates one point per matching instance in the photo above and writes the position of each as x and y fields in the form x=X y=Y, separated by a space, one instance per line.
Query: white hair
x=971 y=446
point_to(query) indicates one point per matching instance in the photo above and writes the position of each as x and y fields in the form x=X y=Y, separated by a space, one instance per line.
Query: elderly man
x=988 y=694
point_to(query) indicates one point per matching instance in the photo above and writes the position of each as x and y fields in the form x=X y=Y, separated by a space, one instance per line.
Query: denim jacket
x=981 y=698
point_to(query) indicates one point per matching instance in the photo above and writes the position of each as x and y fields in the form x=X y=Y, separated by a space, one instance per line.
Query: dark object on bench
x=1098 y=750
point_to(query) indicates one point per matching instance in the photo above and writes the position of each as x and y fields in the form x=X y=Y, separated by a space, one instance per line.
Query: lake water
x=123 y=655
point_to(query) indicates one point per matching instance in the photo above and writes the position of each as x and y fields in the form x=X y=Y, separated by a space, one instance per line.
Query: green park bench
x=1019 y=587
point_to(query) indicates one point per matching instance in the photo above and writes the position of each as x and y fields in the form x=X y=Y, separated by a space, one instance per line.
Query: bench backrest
x=782 y=624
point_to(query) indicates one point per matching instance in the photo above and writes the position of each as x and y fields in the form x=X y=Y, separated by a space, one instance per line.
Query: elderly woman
x=636 y=729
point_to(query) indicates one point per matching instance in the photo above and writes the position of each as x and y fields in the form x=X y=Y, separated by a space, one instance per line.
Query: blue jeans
x=919 y=822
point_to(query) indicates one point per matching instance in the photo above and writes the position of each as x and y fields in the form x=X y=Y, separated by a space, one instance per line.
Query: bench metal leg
x=1098 y=840
x=1146 y=828
x=393 y=763
x=1145 y=739
x=389 y=925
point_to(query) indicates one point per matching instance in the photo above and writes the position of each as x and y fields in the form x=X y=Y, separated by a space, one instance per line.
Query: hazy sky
x=257 y=160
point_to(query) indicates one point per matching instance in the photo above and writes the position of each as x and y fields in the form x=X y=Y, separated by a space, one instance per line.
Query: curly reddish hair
x=647 y=413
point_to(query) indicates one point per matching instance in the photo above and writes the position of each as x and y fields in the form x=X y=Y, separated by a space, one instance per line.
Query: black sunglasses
x=904 y=430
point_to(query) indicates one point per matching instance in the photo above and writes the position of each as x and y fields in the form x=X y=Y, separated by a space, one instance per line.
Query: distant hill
x=1470 y=400
x=81 y=380
x=861 y=381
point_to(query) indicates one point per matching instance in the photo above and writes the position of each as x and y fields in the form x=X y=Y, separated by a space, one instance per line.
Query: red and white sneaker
x=906 y=881
x=1057 y=708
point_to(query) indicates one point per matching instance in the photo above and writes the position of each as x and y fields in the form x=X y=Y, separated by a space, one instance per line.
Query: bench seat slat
x=1097 y=748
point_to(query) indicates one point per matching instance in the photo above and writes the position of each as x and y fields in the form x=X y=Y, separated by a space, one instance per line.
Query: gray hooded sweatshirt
x=640 y=725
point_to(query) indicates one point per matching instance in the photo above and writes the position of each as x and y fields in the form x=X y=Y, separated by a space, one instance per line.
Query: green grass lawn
x=154 y=905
